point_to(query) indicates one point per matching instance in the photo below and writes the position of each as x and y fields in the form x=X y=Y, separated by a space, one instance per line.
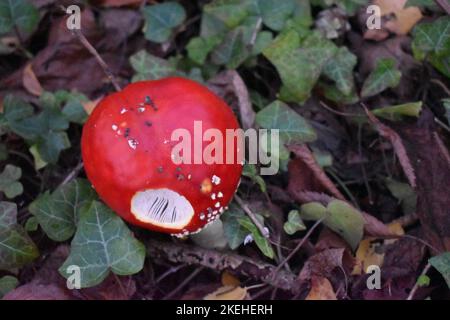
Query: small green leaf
x=250 y=172
x=74 y=112
x=58 y=213
x=299 y=62
x=9 y=183
x=404 y=193
x=294 y=223
x=161 y=19
x=32 y=224
x=50 y=147
x=273 y=13
x=39 y=163
x=232 y=51
x=7 y=284
x=229 y=12
x=385 y=75
x=442 y=264
x=262 y=243
x=234 y=231
x=18 y=14
x=396 y=113
x=16 y=248
x=198 y=48
x=102 y=244
x=340 y=70
x=149 y=67
x=431 y=41
x=293 y=128
x=340 y=217
x=423 y=281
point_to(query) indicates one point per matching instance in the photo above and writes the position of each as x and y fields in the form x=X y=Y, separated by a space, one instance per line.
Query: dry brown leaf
x=227 y=293
x=398 y=145
x=229 y=280
x=405 y=20
x=89 y=106
x=322 y=264
x=390 y=6
x=366 y=255
x=30 y=81
x=321 y=289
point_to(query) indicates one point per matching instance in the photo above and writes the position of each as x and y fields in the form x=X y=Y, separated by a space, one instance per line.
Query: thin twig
x=169 y=272
x=416 y=286
x=72 y=174
x=444 y=5
x=85 y=42
x=184 y=283
x=252 y=216
x=300 y=244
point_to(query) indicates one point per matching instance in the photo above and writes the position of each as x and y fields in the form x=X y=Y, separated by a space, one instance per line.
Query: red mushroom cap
x=127 y=152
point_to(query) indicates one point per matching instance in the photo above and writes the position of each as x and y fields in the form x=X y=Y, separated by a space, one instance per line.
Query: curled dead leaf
x=227 y=293
x=321 y=289
x=30 y=81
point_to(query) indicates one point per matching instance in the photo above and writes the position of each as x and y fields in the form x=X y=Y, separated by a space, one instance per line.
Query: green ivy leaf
x=299 y=61
x=149 y=67
x=339 y=216
x=16 y=248
x=103 y=243
x=232 y=51
x=273 y=13
x=340 y=70
x=58 y=213
x=262 y=243
x=229 y=12
x=32 y=224
x=234 y=231
x=7 y=284
x=294 y=223
x=399 y=112
x=249 y=171
x=385 y=75
x=293 y=127
x=161 y=19
x=75 y=112
x=9 y=183
x=18 y=14
x=18 y=117
x=432 y=41
x=442 y=264
x=198 y=48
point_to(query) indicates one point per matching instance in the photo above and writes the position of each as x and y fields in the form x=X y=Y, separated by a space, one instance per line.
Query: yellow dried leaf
x=30 y=81
x=229 y=280
x=321 y=289
x=89 y=106
x=227 y=293
x=390 y=6
x=366 y=255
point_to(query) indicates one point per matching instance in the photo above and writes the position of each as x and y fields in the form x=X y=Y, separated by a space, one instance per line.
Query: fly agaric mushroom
x=127 y=154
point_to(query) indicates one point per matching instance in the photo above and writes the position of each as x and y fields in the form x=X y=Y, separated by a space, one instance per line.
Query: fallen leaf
x=229 y=280
x=367 y=255
x=227 y=293
x=33 y=291
x=322 y=264
x=321 y=289
x=89 y=106
x=30 y=81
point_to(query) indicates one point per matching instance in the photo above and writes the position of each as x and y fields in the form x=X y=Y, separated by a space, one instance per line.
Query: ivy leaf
x=74 y=111
x=232 y=51
x=18 y=117
x=229 y=12
x=58 y=213
x=198 y=48
x=293 y=128
x=340 y=70
x=294 y=223
x=262 y=242
x=32 y=224
x=397 y=113
x=404 y=193
x=161 y=19
x=299 y=62
x=50 y=146
x=273 y=13
x=432 y=41
x=16 y=248
x=234 y=231
x=339 y=216
x=385 y=75
x=150 y=67
x=249 y=171
x=7 y=284
x=103 y=243
x=18 y=14
x=9 y=183
x=442 y=264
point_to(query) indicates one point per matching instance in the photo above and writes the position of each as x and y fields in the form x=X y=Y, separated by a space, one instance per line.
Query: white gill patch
x=162 y=207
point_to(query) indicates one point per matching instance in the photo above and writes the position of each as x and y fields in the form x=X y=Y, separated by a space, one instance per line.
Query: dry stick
x=416 y=286
x=252 y=216
x=85 y=42
x=444 y=5
x=182 y=284
x=72 y=174
x=293 y=252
